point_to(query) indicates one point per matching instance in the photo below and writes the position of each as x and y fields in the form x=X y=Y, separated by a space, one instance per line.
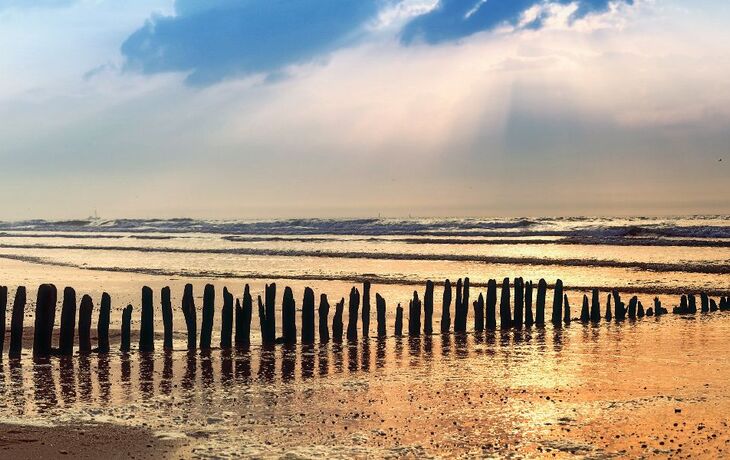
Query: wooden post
x=540 y=304
x=191 y=323
x=428 y=309
x=289 y=317
x=585 y=315
x=308 y=316
x=713 y=305
x=529 y=318
x=270 y=299
x=399 y=321
x=566 y=316
x=324 y=312
x=366 y=309
x=86 y=308
x=639 y=310
x=126 y=328
x=147 y=325
x=68 y=322
x=519 y=302
x=380 y=306
x=705 y=302
x=16 y=323
x=337 y=323
x=102 y=326
x=44 y=316
x=353 y=312
x=595 y=307
x=414 y=316
x=692 y=304
x=632 y=307
x=244 y=313
x=3 y=309
x=446 y=308
x=166 y=304
x=557 y=303
x=227 y=320
x=479 y=313
x=505 y=314
x=463 y=311
x=619 y=307
x=457 y=304
x=206 y=327
x=491 y=313
x=609 y=315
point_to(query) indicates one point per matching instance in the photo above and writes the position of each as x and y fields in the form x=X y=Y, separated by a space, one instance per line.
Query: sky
x=354 y=108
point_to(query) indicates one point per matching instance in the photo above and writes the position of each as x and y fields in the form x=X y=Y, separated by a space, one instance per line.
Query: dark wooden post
x=713 y=305
x=505 y=314
x=227 y=320
x=86 y=308
x=147 y=325
x=446 y=308
x=705 y=303
x=366 y=309
x=479 y=313
x=585 y=315
x=464 y=310
x=640 y=310
x=519 y=302
x=289 y=317
x=126 y=329
x=457 y=305
x=380 y=306
x=102 y=327
x=44 y=316
x=529 y=318
x=540 y=302
x=324 y=312
x=399 y=321
x=566 y=316
x=308 y=316
x=68 y=322
x=270 y=299
x=491 y=313
x=632 y=307
x=16 y=323
x=619 y=307
x=414 y=316
x=3 y=309
x=166 y=304
x=206 y=327
x=609 y=315
x=692 y=309
x=595 y=307
x=244 y=312
x=558 y=303
x=428 y=309
x=191 y=323
x=337 y=323
x=353 y=313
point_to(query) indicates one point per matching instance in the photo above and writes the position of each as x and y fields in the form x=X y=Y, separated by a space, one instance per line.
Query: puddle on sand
x=650 y=387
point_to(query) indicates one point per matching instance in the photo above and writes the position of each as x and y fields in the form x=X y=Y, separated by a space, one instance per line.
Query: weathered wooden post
x=16 y=323
x=366 y=309
x=428 y=309
x=147 y=325
x=380 y=306
x=609 y=315
x=206 y=327
x=540 y=304
x=705 y=303
x=639 y=310
x=692 y=304
x=446 y=308
x=479 y=313
x=166 y=305
x=584 y=312
x=354 y=307
x=227 y=320
x=505 y=313
x=529 y=318
x=414 y=316
x=457 y=304
x=491 y=313
x=337 y=323
x=324 y=312
x=619 y=306
x=126 y=329
x=595 y=307
x=399 y=321
x=289 y=317
x=270 y=303
x=566 y=316
x=68 y=322
x=86 y=308
x=3 y=309
x=632 y=307
x=102 y=326
x=558 y=303
x=713 y=305
x=44 y=317
x=244 y=312
x=724 y=303
x=308 y=316
x=462 y=308
x=191 y=323
x=519 y=286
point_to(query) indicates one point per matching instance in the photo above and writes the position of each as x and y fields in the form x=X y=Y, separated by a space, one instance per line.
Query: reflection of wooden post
x=446 y=308
x=188 y=308
x=380 y=306
x=505 y=315
x=354 y=307
x=479 y=313
x=68 y=322
x=366 y=309
x=324 y=312
x=3 y=308
x=399 y=321
x=166 y=317
x=45 y=312
x=206 y=327
x=558 y=303
x=289 y=317
x=102 y=327
x=428 y=309
x=126 y=328
x=227 y=320
x=16 y=323
x=519 y=302
x=147 y=325
x=595 y=307
x=491 y=312
x=337 y=323
x=540 y=305
x=86 y=308
x=529 y=318
x=308 y=316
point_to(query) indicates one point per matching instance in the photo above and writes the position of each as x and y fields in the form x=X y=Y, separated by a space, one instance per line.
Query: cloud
x=220 y=39
x=454 y=19
x=17 y=4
